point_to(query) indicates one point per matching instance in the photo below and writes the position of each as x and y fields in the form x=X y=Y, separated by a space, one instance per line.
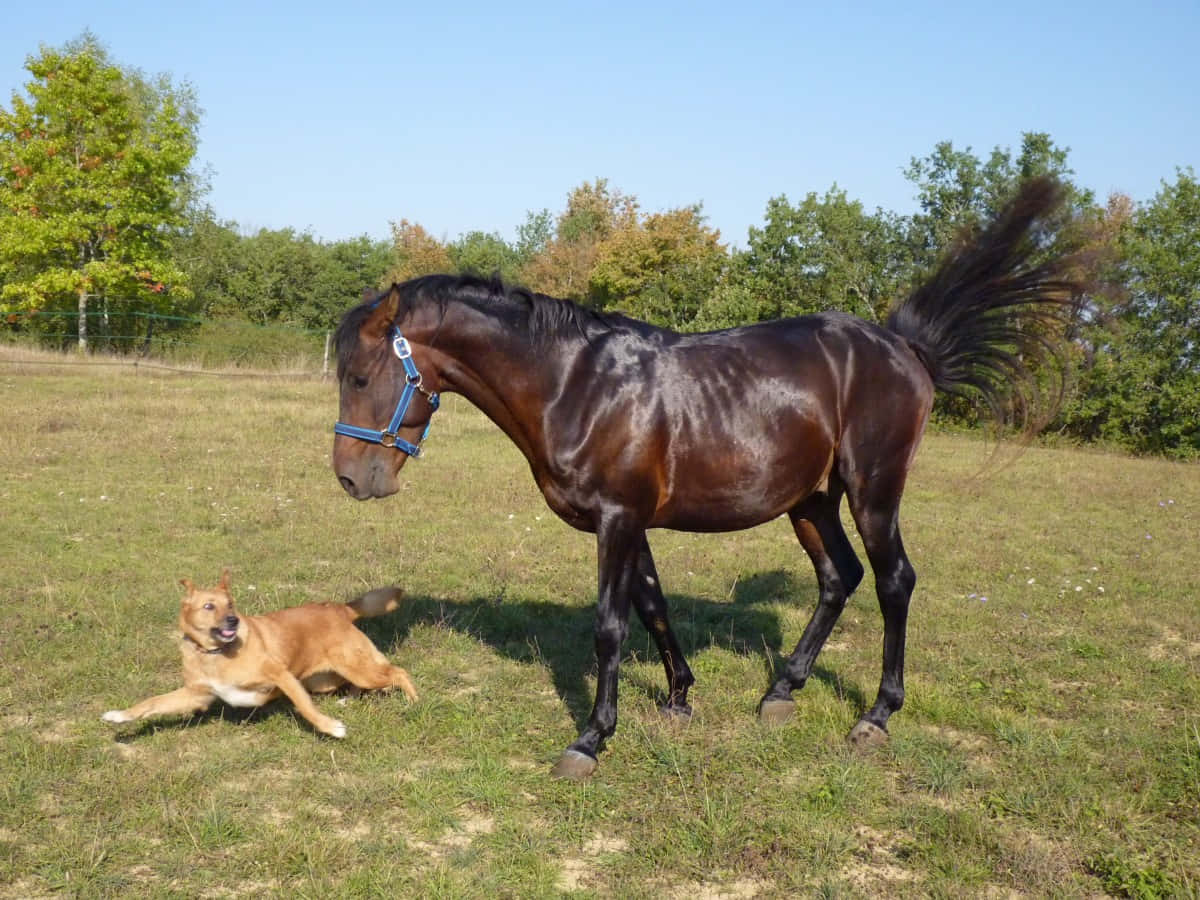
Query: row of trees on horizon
x=102 y=217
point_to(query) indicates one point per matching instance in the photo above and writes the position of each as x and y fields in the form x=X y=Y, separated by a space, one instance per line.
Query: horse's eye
x=359 y=381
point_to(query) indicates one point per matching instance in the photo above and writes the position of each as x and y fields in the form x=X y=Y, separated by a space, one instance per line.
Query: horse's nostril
x=347 y=484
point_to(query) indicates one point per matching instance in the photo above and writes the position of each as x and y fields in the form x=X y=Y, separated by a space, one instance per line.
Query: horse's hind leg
x=876 y=509
x=652 y=610
x=819 y=528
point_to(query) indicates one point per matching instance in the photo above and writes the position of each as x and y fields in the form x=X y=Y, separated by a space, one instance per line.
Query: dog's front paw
x=336 y=729
x=116 y=717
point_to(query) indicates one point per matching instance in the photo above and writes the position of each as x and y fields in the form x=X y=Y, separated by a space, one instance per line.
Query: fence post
x=325 y=362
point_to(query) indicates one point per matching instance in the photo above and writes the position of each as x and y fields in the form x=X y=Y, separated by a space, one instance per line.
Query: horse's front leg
x=618 y=547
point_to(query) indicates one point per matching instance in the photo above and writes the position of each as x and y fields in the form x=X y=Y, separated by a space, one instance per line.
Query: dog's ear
x=223 y=584
x=188 y=586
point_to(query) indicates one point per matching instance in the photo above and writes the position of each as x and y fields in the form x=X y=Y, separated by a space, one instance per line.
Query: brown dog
x=251 y=660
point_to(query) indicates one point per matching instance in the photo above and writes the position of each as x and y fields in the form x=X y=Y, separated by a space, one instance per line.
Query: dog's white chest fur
x=238 y=696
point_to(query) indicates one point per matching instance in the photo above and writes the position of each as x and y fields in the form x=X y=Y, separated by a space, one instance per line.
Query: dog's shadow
x=220 y=712
x=561 y=637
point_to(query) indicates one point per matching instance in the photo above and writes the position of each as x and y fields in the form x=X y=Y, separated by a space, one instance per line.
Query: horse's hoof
x=574 y=766
x=677 y=712
x=865 y=735
x=776 y=712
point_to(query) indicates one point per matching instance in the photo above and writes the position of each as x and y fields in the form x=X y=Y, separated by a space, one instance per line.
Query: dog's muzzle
x=227 y=632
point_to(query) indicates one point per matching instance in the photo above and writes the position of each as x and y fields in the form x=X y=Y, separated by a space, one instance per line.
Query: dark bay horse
x=628 y=427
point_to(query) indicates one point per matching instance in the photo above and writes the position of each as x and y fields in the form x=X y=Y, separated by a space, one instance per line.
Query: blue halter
x=412 y=385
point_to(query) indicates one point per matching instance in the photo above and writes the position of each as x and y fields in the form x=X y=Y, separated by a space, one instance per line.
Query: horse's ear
x=383 y=316
x=223 y=584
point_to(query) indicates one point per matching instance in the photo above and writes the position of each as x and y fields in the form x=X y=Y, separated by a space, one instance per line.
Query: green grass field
x=1050 y=745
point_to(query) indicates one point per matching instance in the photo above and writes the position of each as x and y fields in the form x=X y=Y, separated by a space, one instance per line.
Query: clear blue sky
x=339 y=118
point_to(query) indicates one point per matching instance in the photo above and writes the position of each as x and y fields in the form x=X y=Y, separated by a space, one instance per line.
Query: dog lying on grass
x=251 y=660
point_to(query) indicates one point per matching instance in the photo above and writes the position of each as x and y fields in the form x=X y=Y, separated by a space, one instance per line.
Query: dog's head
x=207 y=616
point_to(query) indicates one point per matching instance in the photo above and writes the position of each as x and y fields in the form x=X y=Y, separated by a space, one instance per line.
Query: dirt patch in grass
x=966 y=741
x=577 y=871
x=738 y=889
x=456 y=838
x=877 y=868
x=1173 y=646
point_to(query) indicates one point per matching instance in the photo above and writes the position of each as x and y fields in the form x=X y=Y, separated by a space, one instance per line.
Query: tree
x=533 y=236
x=957 y=190
x=277 y=276
x=479 y=253
x=661 y=269
x=416 y=252
x=348 y=267
x=825 y=253
x=94 y=179
x=1140 y=382
x=564 y=267
x=208 y=252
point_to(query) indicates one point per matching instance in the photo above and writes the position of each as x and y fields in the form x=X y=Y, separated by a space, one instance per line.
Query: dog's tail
x=375 y=603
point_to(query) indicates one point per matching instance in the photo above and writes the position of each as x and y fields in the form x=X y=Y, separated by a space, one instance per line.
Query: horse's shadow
x=561 y=636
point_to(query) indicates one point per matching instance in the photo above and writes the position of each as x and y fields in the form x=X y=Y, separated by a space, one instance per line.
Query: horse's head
x=388 y=394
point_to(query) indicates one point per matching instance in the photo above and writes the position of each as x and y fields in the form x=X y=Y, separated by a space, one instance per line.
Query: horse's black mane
x=545 y=318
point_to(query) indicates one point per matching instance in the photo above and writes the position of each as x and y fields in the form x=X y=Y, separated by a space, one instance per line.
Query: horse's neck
x=501 y=370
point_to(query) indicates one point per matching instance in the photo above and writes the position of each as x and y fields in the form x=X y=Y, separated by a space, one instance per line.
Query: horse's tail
x=989 y=315
x=375 y=603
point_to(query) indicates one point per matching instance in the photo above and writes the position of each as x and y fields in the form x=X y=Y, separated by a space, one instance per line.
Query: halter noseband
x=412 y=385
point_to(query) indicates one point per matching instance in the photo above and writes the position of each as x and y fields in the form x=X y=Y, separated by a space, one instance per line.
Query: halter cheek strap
x=412 y=386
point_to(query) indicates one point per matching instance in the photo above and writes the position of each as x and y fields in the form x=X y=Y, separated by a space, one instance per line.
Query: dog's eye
x=209 y=606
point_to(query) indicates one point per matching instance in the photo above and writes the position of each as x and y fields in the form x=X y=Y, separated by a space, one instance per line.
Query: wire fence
x=149 y=339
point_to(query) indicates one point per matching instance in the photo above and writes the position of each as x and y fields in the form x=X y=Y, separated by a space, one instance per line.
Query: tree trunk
x=83 y=303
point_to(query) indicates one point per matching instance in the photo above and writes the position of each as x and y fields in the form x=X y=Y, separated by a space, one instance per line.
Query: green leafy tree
x=208 y=251
x=1139 y=384
x=277 y=276
x=564 y=266
x=479 y=253
x=94 y=180
x=661 y=268
x=533 y=236
x=824 y=253
x=348 y=268
x=956 y=189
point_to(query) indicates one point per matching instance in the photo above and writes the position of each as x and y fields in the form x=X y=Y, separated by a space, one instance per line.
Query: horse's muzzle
x=366 y=482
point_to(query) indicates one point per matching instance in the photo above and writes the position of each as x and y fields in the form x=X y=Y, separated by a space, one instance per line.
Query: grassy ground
x=1050 y=744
